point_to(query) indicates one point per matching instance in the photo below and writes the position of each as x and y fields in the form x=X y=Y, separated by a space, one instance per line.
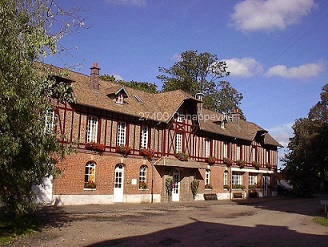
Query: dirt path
x=257 y=222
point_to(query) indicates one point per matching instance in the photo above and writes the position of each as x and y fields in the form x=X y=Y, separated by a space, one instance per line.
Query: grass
x=11 y=228
x=321 y=220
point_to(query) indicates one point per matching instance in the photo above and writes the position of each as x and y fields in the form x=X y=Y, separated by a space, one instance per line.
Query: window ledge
x=208 y=189
x=143 y=189
x=89 y=189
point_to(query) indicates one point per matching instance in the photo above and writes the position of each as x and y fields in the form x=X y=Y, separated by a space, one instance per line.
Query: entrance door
x=118 y=183
x=176 y=186
x=265 y=183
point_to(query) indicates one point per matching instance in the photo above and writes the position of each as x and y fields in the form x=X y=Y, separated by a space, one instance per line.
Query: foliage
x=208 y=186
x=321 y=220
x=200 y=73
x=211 y=160
x=143 y=185
x=194 y=187
x=226 y=187
x=147 y=152
x=90 y=185
x=124 y=150
x=307 y=159
x=238 y=186
x=227 y=161
x=240 y=163
x=182 y=156
x=144 y=86
x=169 y=186
x=256 y=165
x=27 y=35
x=268 y=165
x=95 y=146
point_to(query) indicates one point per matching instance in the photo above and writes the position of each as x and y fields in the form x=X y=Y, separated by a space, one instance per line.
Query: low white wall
x=60 y=200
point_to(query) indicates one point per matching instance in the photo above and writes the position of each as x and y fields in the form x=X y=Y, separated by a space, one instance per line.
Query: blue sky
x=276 y=50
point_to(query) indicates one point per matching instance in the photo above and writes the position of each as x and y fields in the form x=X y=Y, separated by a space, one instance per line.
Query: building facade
x=133 y=146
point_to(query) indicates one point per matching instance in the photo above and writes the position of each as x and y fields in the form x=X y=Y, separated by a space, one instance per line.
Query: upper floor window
x=121 y=133
x=238 y=152
x=90 y=175
x=207 y=147
x=92 y=131
x=143 y=177
x=119 y=99
x=225 y=150
x=254 y=154
x=144 y=137
x=178 y=142
x=49 y=121
x=267 y=156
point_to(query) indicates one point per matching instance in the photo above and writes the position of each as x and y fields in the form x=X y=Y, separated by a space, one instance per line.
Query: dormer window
x=222 y=125
x=119 y=99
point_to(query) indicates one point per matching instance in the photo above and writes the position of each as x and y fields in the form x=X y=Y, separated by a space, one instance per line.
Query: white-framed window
x=144 y=137
x=254 y=154
x=207 y=177
x=143 y=177
x=179 y=116
x=178 y=142
x=225 y=150
x=121 y=133
x=207 y=147
x=237 y=178
x=90 y=175
x=238 y=152
x=267 y=156
x=119 y=99
x=49 y=121
x=252 y=180
x=92 y=131
x=226 y=178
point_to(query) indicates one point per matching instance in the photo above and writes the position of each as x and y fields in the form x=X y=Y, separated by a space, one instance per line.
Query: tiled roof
x=159 y=107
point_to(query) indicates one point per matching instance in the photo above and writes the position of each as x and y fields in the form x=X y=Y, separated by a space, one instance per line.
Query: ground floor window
x=237 y=180
x=252 y=180
x=208 y=179
x=90 y=175
x=143 y=177
x=226 y=180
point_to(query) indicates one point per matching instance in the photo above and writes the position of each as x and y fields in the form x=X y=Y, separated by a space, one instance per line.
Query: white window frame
x=252 y=179
x=225 y=150
x=237 y=178
x=207 y=176
x=144 y=137
x=90 y=172
x=207 y=147
x=143 y=174
x=178 y=142
x=121 y=134
x=92 y=131
x=119 y=99
x=267 y=156
x=225 y=178
x=253 y=154
x=49 y=121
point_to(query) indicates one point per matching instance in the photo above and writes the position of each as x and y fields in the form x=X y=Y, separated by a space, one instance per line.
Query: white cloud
x=243 y=67
x=282 y=133
x=139 y=3
x=303 y=71
x=254 y=15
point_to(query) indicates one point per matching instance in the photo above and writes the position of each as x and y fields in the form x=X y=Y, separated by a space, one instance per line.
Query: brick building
x=134 y=146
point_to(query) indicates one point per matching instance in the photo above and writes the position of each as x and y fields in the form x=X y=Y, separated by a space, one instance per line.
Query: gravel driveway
x=252 y=222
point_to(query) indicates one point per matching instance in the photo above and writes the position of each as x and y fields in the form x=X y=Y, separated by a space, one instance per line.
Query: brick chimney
x=94 y=76
x=235 y=116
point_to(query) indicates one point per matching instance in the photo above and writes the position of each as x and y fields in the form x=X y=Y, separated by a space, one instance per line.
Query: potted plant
x=269 y=166
x=147 y=153
x=143 y=185
x=240 y=163
x=181 y=156
x=256 y=165
x=90 y=185
x=208 y=187
x=210 y=160
x=194 y=187
x=95 y=146
x=226 y=187
x=227 y=161
x=238 y=187
x=124 y=150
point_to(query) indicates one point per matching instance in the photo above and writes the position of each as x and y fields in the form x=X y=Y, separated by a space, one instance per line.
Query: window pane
x=121 y=132
x=92 y=129
x=178 y=143
x=144 y=137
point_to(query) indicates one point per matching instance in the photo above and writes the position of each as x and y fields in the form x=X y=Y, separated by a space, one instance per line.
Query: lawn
x=321 y=220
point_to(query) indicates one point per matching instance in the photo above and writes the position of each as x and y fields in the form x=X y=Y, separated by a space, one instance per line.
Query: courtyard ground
x=254 y=222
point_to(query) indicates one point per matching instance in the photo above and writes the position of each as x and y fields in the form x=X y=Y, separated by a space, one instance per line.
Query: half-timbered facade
x=133 y=146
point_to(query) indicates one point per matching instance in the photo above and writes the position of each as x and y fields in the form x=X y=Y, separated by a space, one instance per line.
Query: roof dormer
x=117 y=93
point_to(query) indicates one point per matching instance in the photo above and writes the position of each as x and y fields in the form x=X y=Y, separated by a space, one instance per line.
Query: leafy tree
x=307 y=160
x=27 y=153
x=201 y=73
x=144 y=86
